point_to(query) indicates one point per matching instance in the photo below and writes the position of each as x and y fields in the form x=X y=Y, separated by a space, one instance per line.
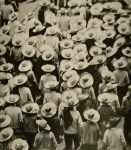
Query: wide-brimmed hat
x=38 y=28
x=6 y=67
x=32 y=40
x=99 y=59
x=120 y=63
x=5 y=29
x=20 y=28
x=51 y=84
x=48 y=110
x=4 y=121
x=20 y=79
x=67 y=43
x=91 y=33
x=113 y=121
x=6 y=134
x=124 y=28
x=69 y=74
x=106 y=26
x=122 y=20
x=28 y=51
x=69 y=97
x=44 y=2
x=67 y=53
x=126 y=51
x=12 y=98
x=30 y=108
x=96 y=9
x=110 y=51
x=80 y=23
x=94 y=23
x=107 y=5
x=119 y=42
x=105 y=98
x=80 y=56
x=63 y=10
x=19 y=144
x=29 y=15
x=2 y=101
x=48 y=68
x=100 y=44
x=110 y=86
x=81 y=65
x=66 y=65
x=109 y=33
x=80 y=48
x=109 y=18
x=52 y=30
x=106 y=76
x=45 y=47
x=25 y=65
x=43 y=124
x=48 y=55
x=13 y=16
x=72 y=81
x=92 y=115
x=95 y=50
x=4 y=39
x=72 y=3
x=17 y=42
x=86 y=80
x=78 y=38
x=2 y=49
x=5 y=76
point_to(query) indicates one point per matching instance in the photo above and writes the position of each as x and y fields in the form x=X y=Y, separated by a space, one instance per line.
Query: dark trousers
x=89 y=147
x=69 y=139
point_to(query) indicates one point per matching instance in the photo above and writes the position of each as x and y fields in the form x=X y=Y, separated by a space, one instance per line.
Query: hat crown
x=20 y=80
x=11 y=99
x=5 y=67
x=79 y=22
x=85 y=79
x=67 y=54
x=29 y=108
x=2 y=41
x=67 y=44
x=104 y=100
x=19 y=147
x=95 y=51
x=2 y=118
x=120 y=63
x=30 y=42
x=67 y=67
x=48 y=55
x=24 y=64
x=80 y=66
x=70 y=103
x=128 y=51
x=48 y=109
x=108 y=33
x=91 y=34
x=5 y=134
x=73 y=82
x=90 y=115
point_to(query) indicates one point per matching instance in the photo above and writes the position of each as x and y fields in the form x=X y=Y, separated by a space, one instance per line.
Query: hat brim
x=10 y=131
x=113 y=87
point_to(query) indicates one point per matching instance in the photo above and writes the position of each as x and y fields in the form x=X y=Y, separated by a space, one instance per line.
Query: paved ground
x=29 y=6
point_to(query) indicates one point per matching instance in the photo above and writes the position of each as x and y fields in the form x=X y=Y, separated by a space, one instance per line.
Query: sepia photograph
x=65 y=74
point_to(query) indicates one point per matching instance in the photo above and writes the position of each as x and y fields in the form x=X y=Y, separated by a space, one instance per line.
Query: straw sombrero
x=95 y=50
x=86 y=80
x=99 y=59
x=66 y=43
x=69 y=74
x=108 y=5
x=66 y=65
x=91 y=115
x=72 y=81
x=48 y=68
x=122 y=20
x=48 y=55
x=43 y=124
x=20 y=28
x=30 y=108
x=69 y=97
x=106 y=26
x=48 y=110
x=119 y=42
x=67 y=53
x=105 y=98
x=52 y=30
x=6 y=134
x=94 y=23
x=28 y=51
x=51 y=84
x=13 y=16
x=110 y=86
x=38 y=28
x=126 y=51
x=5 y=120
x=2 y=49
x=5 y=29
x=80 y=48
x=4 y=39
x=17 y=42
x=44 y=48
x=124 y=28
x=109 y=18
x=80 y=23
x=100 y=44
x=110 y=51
x=25 y=65
x=32 y=40
x=12 y=98
x=96 y=9
x=109 y=33
x=81 y=65
x=20 y=79
x=120 y=63
x=19 y=144
x=6 y=67
x=91 y=34
x=78 y=38
x=2 y=101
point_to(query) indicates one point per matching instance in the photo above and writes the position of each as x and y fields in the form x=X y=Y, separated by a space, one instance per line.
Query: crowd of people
x=65 y=76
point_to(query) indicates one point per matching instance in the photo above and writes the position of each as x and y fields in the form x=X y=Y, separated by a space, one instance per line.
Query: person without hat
x=44 y=134
x=90 y=132
x=71 y=119
x=14 y=112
